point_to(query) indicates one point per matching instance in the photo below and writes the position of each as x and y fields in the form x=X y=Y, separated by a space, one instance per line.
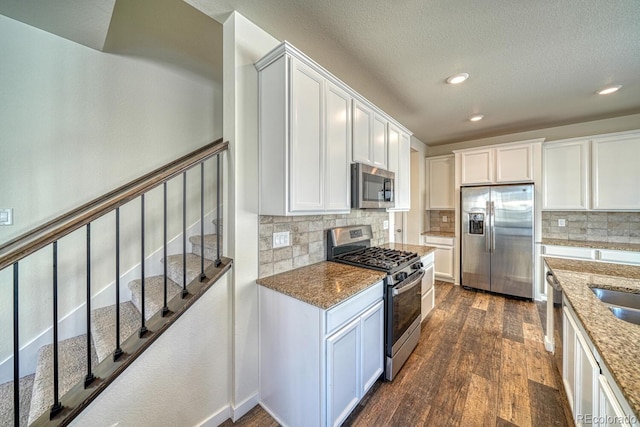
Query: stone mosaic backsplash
x=612 y=227
x=308 y=237
x=436 y=221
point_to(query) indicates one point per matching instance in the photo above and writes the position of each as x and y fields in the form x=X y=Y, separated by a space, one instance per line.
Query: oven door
x=404 y=302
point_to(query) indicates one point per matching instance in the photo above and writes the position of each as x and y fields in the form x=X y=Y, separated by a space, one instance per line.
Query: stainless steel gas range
x=402 y=294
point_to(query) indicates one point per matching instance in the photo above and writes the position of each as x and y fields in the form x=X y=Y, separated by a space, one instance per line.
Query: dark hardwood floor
x=481 y=361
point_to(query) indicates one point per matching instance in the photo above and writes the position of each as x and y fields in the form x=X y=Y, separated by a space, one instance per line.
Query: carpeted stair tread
x=6 y=401
x=72 y=359
x=103 y=327
x=174 y=267
x=153 y=293
x=210 y=245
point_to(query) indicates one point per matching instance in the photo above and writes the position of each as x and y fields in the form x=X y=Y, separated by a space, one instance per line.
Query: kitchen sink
x=623 y=305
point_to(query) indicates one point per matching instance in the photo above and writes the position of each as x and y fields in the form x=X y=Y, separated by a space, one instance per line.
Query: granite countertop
x=617 y=341
x=421 y=250
x=324 y=284
x=439 y=233
x=592 y=244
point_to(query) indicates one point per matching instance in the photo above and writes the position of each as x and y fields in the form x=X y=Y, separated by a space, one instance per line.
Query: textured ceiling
x=533 y=64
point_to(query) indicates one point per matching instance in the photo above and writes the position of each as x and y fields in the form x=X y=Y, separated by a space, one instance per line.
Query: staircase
x=36 y=390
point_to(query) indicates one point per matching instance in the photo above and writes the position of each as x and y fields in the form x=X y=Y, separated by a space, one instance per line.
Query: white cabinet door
x=343 y=372
x=477 y=167
x=616 y=172
x=362 y=133
x=441 y=182
x=514 y=163
x=379 y=142
x=372 y=324
x=610 y=409
x=338 y=149
x=307 y=148
x=444 y=263
x=569 y=357
x=565 y=175
x=393 y=144
x=586 y=385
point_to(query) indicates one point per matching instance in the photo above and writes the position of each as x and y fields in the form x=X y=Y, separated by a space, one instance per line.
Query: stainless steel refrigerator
x=497 y=239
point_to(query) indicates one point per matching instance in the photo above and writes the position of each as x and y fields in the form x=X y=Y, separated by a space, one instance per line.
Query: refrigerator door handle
x=487 y=228
x=493 y=223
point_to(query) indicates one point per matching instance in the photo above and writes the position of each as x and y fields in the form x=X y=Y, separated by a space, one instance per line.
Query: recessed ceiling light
x=457 y=78
x=476 y=118
x=609 y=89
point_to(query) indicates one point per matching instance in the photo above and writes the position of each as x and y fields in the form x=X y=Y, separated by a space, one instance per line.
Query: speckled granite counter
x=421 y=250
x=324 y=284
x=590 y=244
x=617 y=341
x=439 y=233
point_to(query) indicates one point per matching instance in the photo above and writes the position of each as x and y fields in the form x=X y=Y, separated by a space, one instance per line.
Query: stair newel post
x=165 y=307
x=57 y=406
x=16 y=350
x=202 y=275
x=184 y=235
x=88 y=379
x=118 y=351
x=218 y=262
x=143 y=328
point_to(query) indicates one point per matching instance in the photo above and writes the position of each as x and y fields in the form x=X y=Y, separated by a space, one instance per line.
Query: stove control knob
x=401 y=276
x=417 y=266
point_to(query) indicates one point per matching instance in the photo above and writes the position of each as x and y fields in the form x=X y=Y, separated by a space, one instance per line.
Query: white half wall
x=244 y=43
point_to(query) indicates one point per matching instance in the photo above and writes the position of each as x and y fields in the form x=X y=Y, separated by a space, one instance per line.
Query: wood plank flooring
x=480 y=361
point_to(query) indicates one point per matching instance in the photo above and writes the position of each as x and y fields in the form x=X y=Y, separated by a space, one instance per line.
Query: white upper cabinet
x=565 y=175
x=369 y=136
x=599 y=172
x=305 y=137
x=399 y=157
x=616 y=172
x=505 y=163
x=440 y=176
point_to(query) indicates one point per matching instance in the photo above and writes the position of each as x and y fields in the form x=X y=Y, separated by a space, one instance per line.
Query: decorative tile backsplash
x=308 y=237
x=613 y=227
x=436 y=221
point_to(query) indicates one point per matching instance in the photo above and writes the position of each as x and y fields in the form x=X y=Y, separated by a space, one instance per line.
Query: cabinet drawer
x=352 y=307
x=569 y=252
x=437 y=240
x=625 y=257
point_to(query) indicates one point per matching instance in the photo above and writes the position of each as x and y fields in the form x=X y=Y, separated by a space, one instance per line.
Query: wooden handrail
x=34 y=240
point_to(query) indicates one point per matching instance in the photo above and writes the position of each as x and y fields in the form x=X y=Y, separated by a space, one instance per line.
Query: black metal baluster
x=57 y=406
x=184 y=235
x=165 y=308
x=218 y=262
x=88 y=379
x=143 y=328
x=16 y=350
x=118 y=351
x=202 y=275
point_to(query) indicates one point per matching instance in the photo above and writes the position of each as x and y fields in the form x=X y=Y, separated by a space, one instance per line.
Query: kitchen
x=246 y=225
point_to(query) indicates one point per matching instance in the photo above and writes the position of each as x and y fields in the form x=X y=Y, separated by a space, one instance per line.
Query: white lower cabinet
x=315 y=364
x=428 y=290
x=444 y=256
x=610 y=414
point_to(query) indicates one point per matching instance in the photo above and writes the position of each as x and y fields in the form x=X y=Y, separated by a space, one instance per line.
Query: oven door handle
x=401 y=287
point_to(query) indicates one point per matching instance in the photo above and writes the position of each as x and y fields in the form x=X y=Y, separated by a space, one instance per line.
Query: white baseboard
x=74 y=323
x=237 y=411
x=217 y=418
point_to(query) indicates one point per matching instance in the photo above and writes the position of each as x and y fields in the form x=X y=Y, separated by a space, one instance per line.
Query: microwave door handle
x=387 y=190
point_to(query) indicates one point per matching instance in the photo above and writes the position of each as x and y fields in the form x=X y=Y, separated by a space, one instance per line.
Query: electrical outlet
x=562 y=223
x=385 y=225
x=281 y=239
x=6 y=216
x=445 y=218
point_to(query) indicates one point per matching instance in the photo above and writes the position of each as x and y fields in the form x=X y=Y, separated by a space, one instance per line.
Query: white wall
x=244 y=44
x=74 y=124
x=182 y=379
x=415 y=217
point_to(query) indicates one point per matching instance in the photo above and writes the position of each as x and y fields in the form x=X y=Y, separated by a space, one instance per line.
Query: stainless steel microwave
x=371 y=187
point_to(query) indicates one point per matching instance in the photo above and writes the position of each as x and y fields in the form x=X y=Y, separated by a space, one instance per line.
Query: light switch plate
x=385 y=225
x=6 y=216
x=445 y=218
x=562 y=223
x=281 y=239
